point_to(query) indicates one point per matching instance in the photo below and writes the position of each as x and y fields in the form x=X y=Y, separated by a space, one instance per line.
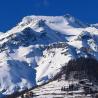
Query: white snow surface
x=34 y=51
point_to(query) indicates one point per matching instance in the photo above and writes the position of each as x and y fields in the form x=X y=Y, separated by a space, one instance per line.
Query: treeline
x=88 y=65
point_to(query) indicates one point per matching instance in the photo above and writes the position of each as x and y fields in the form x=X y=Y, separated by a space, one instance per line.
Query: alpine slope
x=34 y=52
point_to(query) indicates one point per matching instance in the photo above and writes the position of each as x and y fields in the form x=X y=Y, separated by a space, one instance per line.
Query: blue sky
x=12 y=11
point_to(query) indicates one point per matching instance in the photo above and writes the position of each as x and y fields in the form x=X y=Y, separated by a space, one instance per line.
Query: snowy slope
x=34 y=51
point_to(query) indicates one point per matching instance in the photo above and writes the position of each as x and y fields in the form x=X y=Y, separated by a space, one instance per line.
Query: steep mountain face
x=79 y=79
x=35 y=51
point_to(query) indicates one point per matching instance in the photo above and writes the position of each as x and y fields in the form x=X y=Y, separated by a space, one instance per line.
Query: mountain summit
x=36 y=50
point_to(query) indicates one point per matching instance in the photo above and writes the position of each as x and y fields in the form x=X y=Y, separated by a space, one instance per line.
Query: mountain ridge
x=36 y=49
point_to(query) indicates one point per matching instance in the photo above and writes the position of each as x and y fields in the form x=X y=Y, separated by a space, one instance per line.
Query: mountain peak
x=35 y=51
x=68 y=16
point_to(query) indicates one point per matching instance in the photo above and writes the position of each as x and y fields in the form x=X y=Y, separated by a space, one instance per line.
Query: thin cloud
x=46 y=3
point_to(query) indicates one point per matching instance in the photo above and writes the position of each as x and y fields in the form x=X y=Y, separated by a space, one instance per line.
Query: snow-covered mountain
x=34 y=51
